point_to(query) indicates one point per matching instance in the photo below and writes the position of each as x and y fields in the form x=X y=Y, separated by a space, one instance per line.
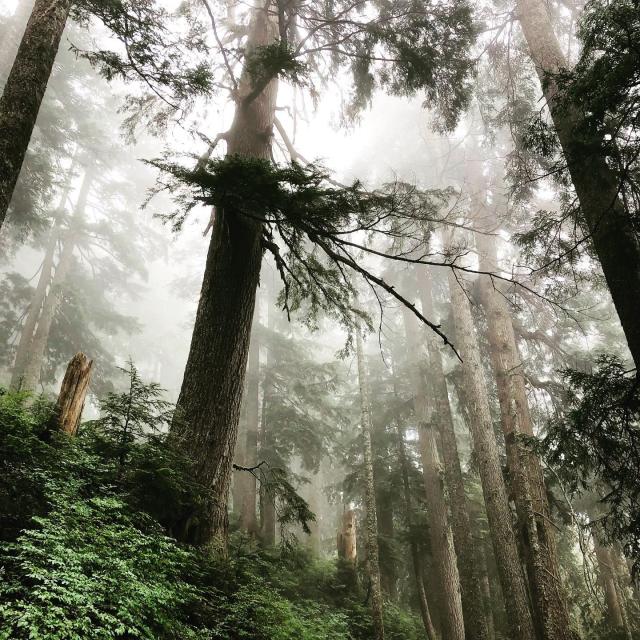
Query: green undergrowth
x=86 y=546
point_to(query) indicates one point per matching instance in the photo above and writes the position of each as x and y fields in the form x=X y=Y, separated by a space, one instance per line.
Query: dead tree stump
x=73 y=392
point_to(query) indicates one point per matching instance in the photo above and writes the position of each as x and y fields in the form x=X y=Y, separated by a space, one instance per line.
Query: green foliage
x=308 y=224
x=88 y=570
x=597 y=443
x=86 y=552
x=271 y=60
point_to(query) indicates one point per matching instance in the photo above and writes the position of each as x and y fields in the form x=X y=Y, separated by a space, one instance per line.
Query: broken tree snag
x=347 y=537
x=73 y=392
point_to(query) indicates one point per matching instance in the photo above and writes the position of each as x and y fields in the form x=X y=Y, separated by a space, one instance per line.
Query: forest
x=320 y=319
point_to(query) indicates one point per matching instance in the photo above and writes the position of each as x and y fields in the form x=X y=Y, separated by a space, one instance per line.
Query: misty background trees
x=354 y=287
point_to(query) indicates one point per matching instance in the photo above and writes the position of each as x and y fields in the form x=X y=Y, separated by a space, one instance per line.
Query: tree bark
x=70 y=403
x=476 y=627
x=435 y=490
x=425 y=614
x=24 y=90
x=371 y=533
x=608 y=582
x=604 y=215
x=11 y=36
x=525 y=471
x=346 y=539
x=493 y=487
x=248 y=518
x=209 y=402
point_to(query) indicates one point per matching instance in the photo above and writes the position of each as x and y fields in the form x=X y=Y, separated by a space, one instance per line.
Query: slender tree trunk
x=371 y=533
x=476 y=627
x=29 y=378
x=525 y=470
x=415 y=554
x=44 y=280
x=608 y=582
x=248 y=519
x=612 y=231
x=68 y=409
x=24 y=90
x=493 y=488
x=209 y=402
x=34 y=311
x=435 y=491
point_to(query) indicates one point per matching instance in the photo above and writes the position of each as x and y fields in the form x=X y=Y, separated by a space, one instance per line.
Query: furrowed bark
x=525 y=470
x=371 y=534
x=604 y=215
x=476 y=627
x=24 y=90
x=435 y=492
x=209 y=402
x=486 y=450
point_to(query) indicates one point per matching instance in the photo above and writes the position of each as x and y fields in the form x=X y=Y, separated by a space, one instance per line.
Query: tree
x=525 y=471
x=242 y=228
x=603 y=212
x=435 y=489
x=371 y=533
x=468 y=566
x=24 y=89
x=486 y=451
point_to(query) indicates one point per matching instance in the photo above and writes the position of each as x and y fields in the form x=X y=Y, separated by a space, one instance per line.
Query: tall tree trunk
x=29 y=378
x=371 y=533
x=24 y=90
x=248 y=519
x=415 y=553
x=435 y=491
x=11 y=36
x=486 y=593
x=608 y=582
x=34 y=311
x=209 y=402
x=597 y=186
x=487 y=455
x=44 y=281
x=525 y=470
x=476 y=627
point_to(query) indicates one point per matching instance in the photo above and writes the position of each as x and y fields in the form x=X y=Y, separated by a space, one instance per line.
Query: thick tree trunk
x=607 y=580
x=29 y=377
x=488 y=459
x=11 y=36
x=70 y=403
x=371 y=533
x=415 y=554
x=525 y=470
x=476 y=627
x=248 y=517
x=24 y=90
x=435 y=491
x=209 y=402
x=597 y=187
x=486 y=594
